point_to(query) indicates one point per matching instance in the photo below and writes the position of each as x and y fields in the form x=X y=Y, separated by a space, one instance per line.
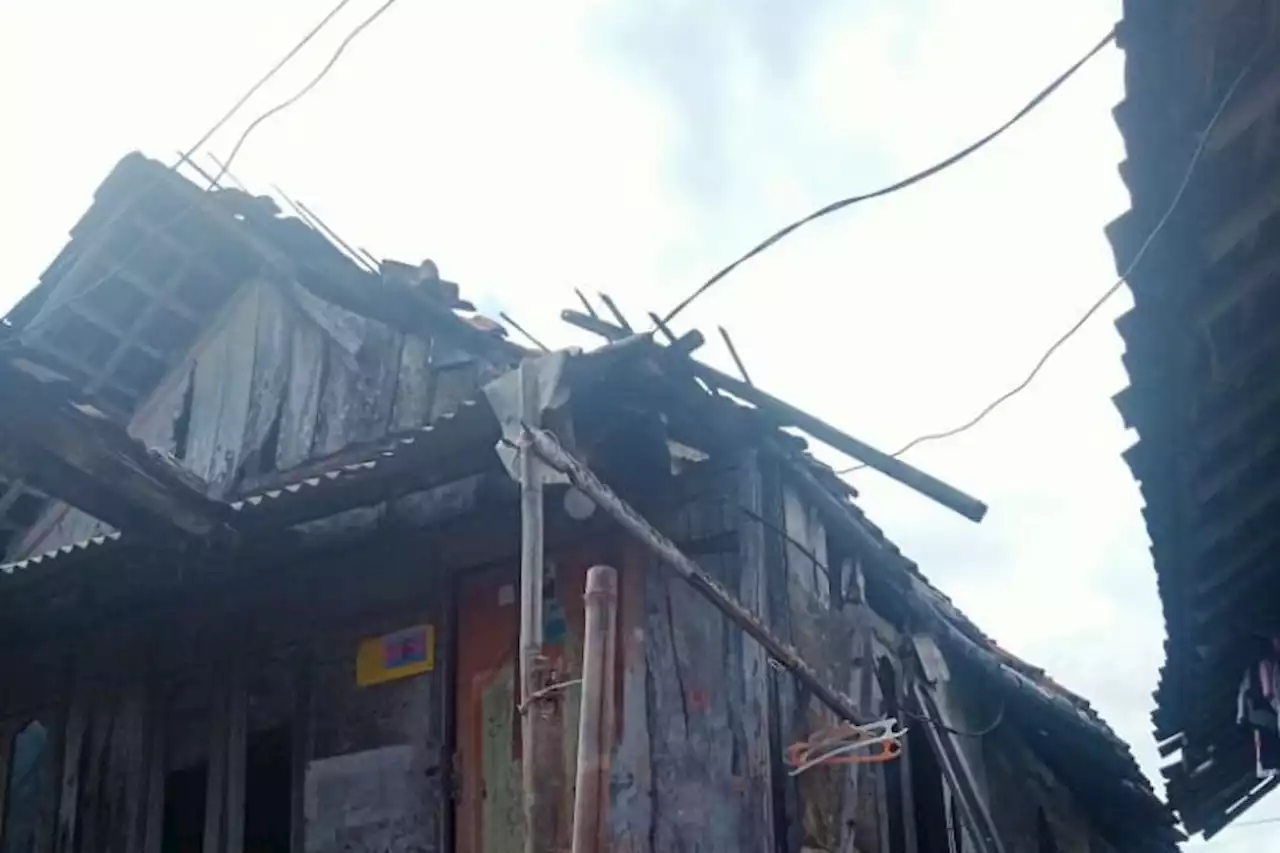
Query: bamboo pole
x=540 y=717
x=596 y=721
x=546 y=446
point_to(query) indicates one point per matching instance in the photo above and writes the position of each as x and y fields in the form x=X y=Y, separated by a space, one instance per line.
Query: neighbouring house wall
x=281 y=377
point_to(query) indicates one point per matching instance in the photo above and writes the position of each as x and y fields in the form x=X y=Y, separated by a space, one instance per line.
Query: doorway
x=268 y=791
x=268 y=801
x=184 y=798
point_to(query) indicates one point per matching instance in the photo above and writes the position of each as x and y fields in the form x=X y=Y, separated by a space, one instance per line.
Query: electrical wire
x=979 y=733
x=899 y=185
x=262 y=81
x=301 y=93
x=1111 y=291
x=226 y=164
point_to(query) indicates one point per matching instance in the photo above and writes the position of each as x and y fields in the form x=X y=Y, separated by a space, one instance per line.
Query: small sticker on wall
x=506 y=595
x=400 y=654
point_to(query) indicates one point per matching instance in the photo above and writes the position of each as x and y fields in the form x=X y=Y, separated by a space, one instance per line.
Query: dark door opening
x=268 y=794
x=184 y=792
x=928 y=795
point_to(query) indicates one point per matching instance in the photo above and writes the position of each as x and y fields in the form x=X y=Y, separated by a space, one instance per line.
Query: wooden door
x=488 y=721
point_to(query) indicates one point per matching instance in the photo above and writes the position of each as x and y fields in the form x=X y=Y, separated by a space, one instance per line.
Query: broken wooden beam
x=76 y=454
x=549 y=449
x=785 y=413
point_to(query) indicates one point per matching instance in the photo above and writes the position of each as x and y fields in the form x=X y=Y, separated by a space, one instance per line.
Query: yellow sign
x=401 y=654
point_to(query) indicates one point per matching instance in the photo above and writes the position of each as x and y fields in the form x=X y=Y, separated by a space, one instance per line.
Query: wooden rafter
x=131 y=335
x=95 y=317
x=71 y=452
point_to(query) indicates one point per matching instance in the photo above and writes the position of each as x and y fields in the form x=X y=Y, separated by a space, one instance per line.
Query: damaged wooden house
x=297 y=549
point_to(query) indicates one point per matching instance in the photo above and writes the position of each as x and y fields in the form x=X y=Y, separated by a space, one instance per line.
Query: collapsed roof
x=1067 y=732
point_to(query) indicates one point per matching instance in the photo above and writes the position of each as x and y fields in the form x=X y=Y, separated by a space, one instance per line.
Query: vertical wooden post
x=8 y=730
x=237 y=741
x=72 y=750
x=157 y=764
x=541 y=759
x=595 y=722
x=300 y=749
x=216 y=784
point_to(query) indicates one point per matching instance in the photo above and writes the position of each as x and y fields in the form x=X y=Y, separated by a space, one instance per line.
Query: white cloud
x=634 y=148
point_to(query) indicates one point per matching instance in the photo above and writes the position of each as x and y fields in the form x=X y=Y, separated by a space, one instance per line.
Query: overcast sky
x=529 y=148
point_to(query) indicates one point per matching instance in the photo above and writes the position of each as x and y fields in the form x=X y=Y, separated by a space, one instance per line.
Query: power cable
x=899 y=185
x=142 y=244
x=979 y=733
x=301 y=93
x=1111 y=291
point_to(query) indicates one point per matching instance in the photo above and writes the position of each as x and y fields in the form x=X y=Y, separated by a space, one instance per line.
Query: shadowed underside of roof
x=1202 y=349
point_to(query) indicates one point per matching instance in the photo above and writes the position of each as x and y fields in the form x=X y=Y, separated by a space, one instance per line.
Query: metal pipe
x=546 y=446
x=596 y=721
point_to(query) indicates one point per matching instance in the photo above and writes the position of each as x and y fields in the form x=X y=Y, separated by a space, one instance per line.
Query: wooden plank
x=414 y=386
x=299 y=419
x=271 y=370
x=300 y=752
x=157 y=757
x=8 y=731
x=378 y=374
x=334 y=422
x=216 y=786
x=67 y=837
x=219 y=405
x=959 y=775
x=756 y=672
x=237 y=743
x=241 y=337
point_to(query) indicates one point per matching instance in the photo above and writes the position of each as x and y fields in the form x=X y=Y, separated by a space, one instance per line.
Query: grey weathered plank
x=157 y=729
x=378 y=371
x=241 y=339
x=237 y=742
x=271 y=369
x=69 y=799
x=752 y=592
x=414 y=385
x=303 y=712
x=8 y=729
x=698 y=801
x=302 y=397
x=334 y=423
x=632 y=814
x=216 y=786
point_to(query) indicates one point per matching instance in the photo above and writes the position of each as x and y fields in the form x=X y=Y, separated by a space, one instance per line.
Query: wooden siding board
x=631 y=812
x=414 y=384
x=300 y=416
x=378 y=735
x=697 y=746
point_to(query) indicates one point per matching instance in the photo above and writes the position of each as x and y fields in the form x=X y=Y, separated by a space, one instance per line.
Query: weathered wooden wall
x=278 y=378
x=128 y=705
x=704 y=719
